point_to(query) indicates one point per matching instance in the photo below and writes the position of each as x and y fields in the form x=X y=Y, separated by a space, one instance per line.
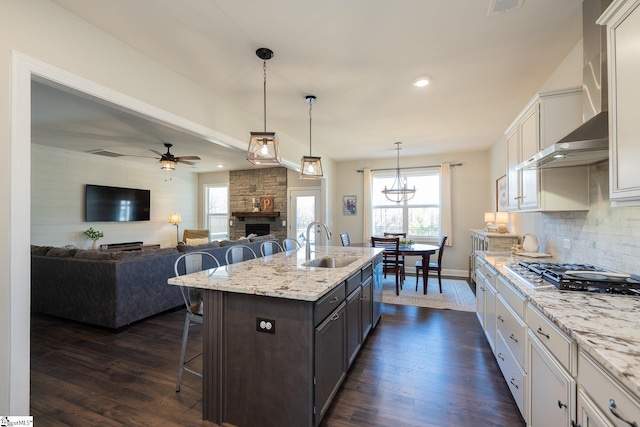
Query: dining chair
x=187 y=263
x=239 y=253
x=433 y=266
x=391 y=263
x=402 y=259
x=346 y=240
x=291 y=244
x=270 y=247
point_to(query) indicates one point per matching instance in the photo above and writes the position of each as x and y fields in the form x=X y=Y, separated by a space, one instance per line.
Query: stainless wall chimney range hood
x=590 y=142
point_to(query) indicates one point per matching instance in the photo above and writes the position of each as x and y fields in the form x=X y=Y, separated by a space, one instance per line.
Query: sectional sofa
x=111 y=290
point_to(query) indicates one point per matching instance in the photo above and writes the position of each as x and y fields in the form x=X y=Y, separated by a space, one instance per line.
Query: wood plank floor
x=420 y=367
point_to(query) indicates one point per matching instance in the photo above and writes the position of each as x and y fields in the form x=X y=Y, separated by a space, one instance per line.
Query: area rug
x=456 y=294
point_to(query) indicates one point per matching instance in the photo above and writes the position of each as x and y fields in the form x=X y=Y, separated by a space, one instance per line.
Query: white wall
x=470 y=199
x=57 y=198
x=50 y=38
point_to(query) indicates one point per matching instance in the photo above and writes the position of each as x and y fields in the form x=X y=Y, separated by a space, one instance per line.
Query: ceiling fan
x=168 y=160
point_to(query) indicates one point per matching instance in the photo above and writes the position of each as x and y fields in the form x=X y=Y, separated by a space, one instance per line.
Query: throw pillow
x=197 y=241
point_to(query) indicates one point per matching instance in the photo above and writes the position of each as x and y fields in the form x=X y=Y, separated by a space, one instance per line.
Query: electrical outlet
x=266 y=325
x=567 y=243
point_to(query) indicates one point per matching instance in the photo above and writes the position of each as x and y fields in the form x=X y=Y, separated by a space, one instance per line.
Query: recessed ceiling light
x=220 y=165
x=421 y=81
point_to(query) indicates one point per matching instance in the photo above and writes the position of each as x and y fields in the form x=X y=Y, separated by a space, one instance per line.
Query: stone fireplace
x=248 y=185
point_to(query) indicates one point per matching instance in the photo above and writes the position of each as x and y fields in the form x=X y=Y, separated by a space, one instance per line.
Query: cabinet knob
x=500 y=318
x=500 y=356
x=539 y=330
x=513 y=338
x=513 y=383
x=334 y=300
x=561 y=405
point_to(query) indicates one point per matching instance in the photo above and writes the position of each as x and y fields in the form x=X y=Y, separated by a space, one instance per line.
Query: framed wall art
x=501 y=194
x=349 y=205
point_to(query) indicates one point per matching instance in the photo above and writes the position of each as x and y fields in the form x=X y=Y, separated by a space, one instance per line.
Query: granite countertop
x=607 y=327
x=282 y=275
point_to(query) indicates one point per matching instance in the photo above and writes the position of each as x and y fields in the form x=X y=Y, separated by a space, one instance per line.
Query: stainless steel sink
x=330 y=262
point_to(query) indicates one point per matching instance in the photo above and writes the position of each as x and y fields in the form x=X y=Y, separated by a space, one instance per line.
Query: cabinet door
x=354 y=324
x=480 y=292
x=331 y=359
x=588 y=413
x=513 y=176
x=529 y=143
x=366 y=307
x=551 y=388
x=624 y=68
x=377 y=291
x=490 y=315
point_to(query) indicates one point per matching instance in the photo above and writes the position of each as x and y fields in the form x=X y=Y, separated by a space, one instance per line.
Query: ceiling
x=358 y=57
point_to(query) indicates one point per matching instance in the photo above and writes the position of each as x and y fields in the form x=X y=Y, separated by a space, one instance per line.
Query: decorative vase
x=95 y=245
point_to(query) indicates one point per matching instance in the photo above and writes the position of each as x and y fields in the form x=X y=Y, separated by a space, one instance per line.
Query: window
x=419 y=217
x=217 y=211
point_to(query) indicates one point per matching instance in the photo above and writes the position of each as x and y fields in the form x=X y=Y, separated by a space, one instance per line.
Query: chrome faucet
x=308 y=245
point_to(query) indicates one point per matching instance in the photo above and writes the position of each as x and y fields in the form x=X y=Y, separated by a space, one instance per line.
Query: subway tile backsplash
x=604 y=236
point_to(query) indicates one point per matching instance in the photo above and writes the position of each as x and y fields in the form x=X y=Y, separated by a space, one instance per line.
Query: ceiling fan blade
x=185 y=162
x=188 y=158
x=157 y=152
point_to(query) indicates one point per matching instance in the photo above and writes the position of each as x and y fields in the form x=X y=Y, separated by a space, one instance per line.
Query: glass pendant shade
x=264 y=149
x=399 y=191
x=263 y=146
x=167 y=165
x=310 y=166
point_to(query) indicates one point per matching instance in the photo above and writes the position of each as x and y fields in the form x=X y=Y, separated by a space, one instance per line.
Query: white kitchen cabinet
x=588 y=414
x=622 y=19
x=609 y=399
x=547 y=118
x=480 y=292
x=552 y=389
x=490 y=313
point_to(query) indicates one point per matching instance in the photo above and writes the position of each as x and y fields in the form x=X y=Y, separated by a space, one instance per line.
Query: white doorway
x=304 y=208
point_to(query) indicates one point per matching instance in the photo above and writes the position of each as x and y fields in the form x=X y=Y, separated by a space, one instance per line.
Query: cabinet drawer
x=513 y=298
x=367 y=271
x=603 y=389
x=512 y=328
x=513 y=374
x=490 y=275
x=329 y=302
x=560 y=345
x=353 y=282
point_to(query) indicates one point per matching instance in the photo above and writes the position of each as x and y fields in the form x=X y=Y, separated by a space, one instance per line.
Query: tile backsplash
x=604 y=235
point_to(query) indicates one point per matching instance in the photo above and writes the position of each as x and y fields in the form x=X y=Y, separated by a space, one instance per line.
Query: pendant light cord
x=310 y=106
x=264 y=90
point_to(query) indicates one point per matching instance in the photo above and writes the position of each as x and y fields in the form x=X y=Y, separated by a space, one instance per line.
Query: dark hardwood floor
x=420 y=367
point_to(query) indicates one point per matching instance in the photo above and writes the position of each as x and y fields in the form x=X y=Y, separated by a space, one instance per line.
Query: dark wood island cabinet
x=276 y=351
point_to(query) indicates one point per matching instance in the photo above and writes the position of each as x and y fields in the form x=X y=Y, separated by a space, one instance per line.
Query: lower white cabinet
x=552 y=390
x=588 y=414
x=608 y=399
x=512 y=371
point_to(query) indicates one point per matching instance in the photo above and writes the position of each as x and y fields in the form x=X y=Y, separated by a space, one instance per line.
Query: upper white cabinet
x=622 y=19
x=547 y=118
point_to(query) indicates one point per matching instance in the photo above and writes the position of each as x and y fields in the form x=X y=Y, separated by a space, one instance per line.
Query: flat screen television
x=103 y=203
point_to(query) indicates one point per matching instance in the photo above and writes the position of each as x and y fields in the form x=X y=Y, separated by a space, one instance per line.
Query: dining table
x=415 y=249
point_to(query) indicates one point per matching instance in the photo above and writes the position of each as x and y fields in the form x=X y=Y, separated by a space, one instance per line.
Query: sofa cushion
x=262 y=238
x=39 y=250
x=61 y=253
x=94 y=254
x=243 y=241
x=190 y=248
x=196 y=241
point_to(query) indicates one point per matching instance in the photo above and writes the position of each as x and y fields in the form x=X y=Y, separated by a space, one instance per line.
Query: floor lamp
x=175 y=219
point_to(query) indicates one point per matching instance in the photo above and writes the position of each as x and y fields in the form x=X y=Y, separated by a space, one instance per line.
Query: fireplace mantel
x=242 y=215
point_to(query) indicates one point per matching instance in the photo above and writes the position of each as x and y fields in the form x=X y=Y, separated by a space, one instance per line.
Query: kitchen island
x=279 y=335
x=592 y=342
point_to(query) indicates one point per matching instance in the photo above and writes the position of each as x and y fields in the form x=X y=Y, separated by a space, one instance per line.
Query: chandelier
x=399 y=192
x=263 y=146
x=310 y=166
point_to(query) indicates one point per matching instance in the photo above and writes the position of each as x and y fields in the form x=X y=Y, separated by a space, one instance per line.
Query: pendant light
x=399 y=192
x=310 y=166
x=263 y=146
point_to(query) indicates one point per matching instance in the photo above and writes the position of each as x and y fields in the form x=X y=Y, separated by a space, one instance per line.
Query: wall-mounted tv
x=103 y=203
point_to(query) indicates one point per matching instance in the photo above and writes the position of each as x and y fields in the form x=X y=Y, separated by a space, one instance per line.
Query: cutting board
x=535 y=254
